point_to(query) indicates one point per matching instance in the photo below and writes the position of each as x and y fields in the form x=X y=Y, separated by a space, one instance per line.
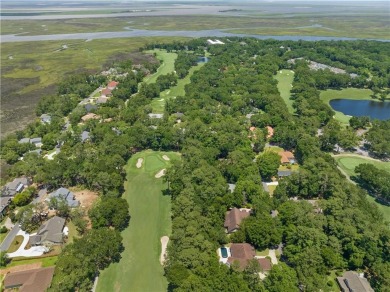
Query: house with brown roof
x=353 y=282
x=112 y=85
x=265 y=264
x=241 y=254
x=35 y=280
x=234 y=217
x=286 y=157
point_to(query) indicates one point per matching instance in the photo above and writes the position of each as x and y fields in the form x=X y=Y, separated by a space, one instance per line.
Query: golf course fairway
x=139 y=268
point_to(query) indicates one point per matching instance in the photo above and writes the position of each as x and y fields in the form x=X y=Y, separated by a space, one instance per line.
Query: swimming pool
x=224 y=252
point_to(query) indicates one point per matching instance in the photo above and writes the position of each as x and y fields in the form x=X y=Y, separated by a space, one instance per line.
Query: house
x=35 y=280
x=106 y=92
x=353 y=282
x=112 y=85
x=14 y=187
x=231 y=187
x=241 y=253
x=4 y=203
x=85 y=136
x=45 y=119
x=234 y=217
x=265 y=264
x=90 y=107
x=284 y=173
x=49 y=233
x=270 y=132
x=36 y=141
x=274 y=213
x=102 y=100
x=215 y=42
x=90 y=116
x=63 y=193
x=286 y=157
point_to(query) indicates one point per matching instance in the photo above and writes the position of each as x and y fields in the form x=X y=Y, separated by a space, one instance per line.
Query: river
x=164 y=33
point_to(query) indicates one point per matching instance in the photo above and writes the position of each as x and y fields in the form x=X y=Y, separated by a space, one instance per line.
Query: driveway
x=10 y=237
x=34 y=251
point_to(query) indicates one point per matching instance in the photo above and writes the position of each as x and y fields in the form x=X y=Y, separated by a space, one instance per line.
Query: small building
x=85 y=136
x=90 y=116
x=50 y=232
x=65 y=194
x=14 y=187
x=234 y=217
x=156 y=116
x=24 y=140
x=112 y=85
x=274 y=213
x=215 y=42
x=270 y=132
x=45 y=119
x=37 y=142
x=231 y=187
x=241 y=253
x=353 y=282
x=265 y=264
x=286 y=157
x=35 y=280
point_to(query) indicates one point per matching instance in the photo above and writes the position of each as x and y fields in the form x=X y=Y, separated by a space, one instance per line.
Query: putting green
x=139 y=268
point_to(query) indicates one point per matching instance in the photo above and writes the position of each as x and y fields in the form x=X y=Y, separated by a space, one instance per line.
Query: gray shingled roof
x=63 y=193
x=50 y=231
x=84 y=136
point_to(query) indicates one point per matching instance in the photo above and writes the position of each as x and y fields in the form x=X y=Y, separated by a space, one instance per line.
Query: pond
x=203 y=59
x=373 y=109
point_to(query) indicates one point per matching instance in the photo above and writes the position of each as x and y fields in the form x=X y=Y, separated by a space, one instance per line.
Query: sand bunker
x=160 y=173
x=165 y=158
x=139 y=162
x=164 y=243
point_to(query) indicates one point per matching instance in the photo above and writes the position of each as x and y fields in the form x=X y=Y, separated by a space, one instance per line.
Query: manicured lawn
x=348 y=164
x=139 y=268
x=347 y=93
x=285 y=79
x=158 y=104
x=263 y=252
x=46 y=262
x=167 y=64
x=16 y=243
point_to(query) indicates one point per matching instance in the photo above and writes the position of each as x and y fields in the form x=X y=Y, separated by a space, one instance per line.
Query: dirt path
x=139 y=162
x=165 y=157
x=160 y=173
x=164 y=243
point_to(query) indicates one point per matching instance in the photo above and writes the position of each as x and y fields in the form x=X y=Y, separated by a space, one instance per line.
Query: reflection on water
x=373 y=109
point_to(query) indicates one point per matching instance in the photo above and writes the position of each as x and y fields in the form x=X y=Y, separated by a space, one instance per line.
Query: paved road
x=10 y=237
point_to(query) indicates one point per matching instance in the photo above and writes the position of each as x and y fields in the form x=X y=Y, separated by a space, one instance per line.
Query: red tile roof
x=233 y=219
x=112 y=84
x=106 y=92
x=270 y=131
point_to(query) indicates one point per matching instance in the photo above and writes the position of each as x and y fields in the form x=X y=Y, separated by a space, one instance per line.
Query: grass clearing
x=348 y=164
x=285 y=79
x=263 y=252
x=16 y=243
x=139 y=268
x=46 y=261
x=158 y=104
x=346 y=93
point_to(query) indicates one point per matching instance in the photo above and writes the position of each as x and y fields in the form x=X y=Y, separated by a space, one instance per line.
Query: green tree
x=268 y=164
x=281 y=278
x=110 y=212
